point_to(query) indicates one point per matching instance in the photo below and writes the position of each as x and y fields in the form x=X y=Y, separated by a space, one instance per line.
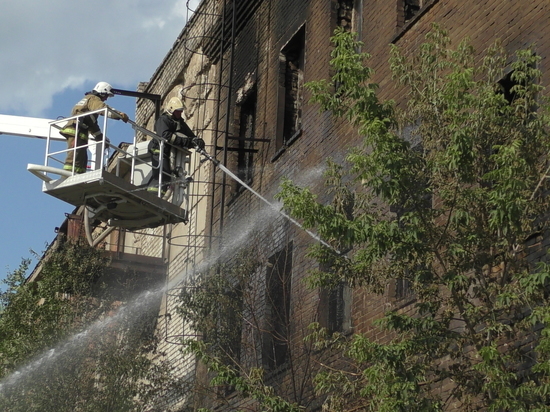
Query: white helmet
x=104 y=88
x=174 y=104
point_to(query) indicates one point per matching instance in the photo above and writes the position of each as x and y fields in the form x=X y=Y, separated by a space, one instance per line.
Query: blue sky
x=52 y=53
x=29 y=217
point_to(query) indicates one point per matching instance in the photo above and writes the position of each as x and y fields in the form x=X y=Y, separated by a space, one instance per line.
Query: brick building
x=240 y=68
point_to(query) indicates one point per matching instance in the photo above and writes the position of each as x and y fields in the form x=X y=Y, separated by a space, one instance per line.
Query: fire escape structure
x=209 y=41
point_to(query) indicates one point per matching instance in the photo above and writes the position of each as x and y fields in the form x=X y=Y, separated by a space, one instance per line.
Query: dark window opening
x=515 y=92
x=505 y=87
x=290 y=94
x=247 y=129
x=403 y=289
x=335 y=308
x=411 y=8
x=276 y=337
x=345 y=13
x=408 y=11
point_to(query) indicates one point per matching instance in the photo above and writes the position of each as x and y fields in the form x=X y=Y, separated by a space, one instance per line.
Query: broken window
x=412 y=7
x=407 y=10
x=246 y=133
x=513 y=87
x=278 y=280
x=290 y=93
x=335 y=308
x=400 y=289
x=345 y=14
x=505 y=87
x=334 y=311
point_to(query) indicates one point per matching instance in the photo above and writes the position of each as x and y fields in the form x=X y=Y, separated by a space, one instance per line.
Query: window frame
x=275 y=348
x=335 y=308
x=402 y=25
x=287 y=134
x=248 y=106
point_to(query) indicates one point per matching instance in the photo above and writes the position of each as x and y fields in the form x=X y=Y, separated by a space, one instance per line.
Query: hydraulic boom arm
x=28 y=127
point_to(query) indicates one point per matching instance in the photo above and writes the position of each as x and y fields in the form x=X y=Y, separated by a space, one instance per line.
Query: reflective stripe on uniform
x=76 y=169
x=71 y=131
x=155 y=189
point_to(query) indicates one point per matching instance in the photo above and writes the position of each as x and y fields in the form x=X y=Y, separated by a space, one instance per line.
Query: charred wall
x=251 y=62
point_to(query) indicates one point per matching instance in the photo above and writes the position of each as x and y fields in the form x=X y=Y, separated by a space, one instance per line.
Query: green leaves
x=449 y=192
x=349 y=93
x=250 y=386
x=54 y=353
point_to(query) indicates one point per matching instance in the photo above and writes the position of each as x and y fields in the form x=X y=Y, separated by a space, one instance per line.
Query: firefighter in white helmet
x=87 y=126
x=171 y=127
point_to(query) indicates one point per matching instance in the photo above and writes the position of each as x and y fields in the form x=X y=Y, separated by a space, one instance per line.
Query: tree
x=449 y=195
x=227 y=309
x=68 y=343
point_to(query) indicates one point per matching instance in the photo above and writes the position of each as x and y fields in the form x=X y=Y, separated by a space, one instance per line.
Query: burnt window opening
x=335 y=300
x=290 y=93
x=409 y=11
x=246 y=132
x=402 y=289
x=513 y=87
x=506 y=87
x=276 y=335
x=411 y=8
x=345 y=14
x=335 y=308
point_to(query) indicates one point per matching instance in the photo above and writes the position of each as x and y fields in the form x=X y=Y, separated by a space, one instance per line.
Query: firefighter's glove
x=97 y=136
x=198 y=143
x=179 y=140
x=123 y=117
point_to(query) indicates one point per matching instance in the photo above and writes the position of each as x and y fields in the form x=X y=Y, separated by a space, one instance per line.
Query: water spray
x=133 y=309
x=235 y=177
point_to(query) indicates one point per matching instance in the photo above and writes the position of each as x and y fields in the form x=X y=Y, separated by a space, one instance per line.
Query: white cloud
x=185 y=8
x=49 y=46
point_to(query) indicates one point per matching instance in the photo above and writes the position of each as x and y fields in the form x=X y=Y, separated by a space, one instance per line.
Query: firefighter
x=87 y=126
x=171 y=127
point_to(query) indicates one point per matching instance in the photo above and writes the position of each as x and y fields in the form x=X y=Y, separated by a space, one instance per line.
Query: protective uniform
x=87 y=125
x=175 y=132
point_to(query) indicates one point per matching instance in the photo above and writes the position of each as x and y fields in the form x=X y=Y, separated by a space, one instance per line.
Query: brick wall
x=256 y=54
